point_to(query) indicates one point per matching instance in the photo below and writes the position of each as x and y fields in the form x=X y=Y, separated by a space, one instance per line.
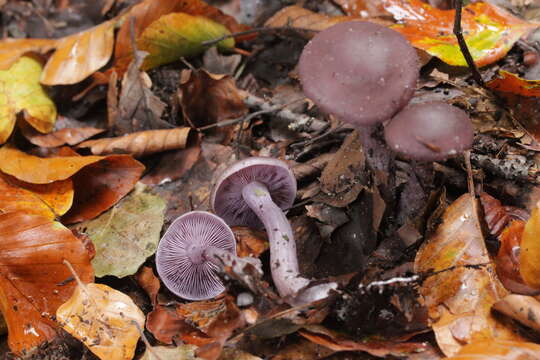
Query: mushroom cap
x=430 y=131
x=179 y=260
x=359 y=71
x=227 y=200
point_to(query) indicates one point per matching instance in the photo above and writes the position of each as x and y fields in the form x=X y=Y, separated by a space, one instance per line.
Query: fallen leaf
x=490 y=31
x=361 y=8
x=178 y=35
x=209 y=98
x=138 y=108
x=237 y=354
x=332 y=340
x=20 y=90
x=529 y=255
x=182 y=352
x=524 y=309
x=459 y=297
x=512 y=83
x=298 y=17
x=33 y=280
x=70 y=63
x=129 y=231
x=250 y=242
x=495 y=349
x=140 y=143
x=148 y=11
x=104 y=319
x=48 y=200
x=149 y=282
x=495 y=215
x=166 y=326
x=344 y=177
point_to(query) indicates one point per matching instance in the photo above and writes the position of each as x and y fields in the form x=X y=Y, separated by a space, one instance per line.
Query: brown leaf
x=296 y=16
x=140 y=143
x=362 y=8
x=495 y=214
x=166 y=325
x=208 y=98
x=149 y=282
x=148 y=11
x=250 y=242
x=60 y=135
x=332 y=340
x=344 y=176
x=494 y=349
x=459 y=298
x=524 y=309
x=33 y=280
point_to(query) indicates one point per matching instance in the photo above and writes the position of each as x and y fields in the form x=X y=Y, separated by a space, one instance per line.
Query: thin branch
x=458 y=4
x=255 y=31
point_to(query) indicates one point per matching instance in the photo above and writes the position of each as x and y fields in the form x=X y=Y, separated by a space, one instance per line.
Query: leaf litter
x=424 y=268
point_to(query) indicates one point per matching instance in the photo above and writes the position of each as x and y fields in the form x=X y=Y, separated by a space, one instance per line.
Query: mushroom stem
x=283 y=260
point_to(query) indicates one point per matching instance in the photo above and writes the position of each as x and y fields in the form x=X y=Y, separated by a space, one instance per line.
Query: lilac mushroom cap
x=431 y=131
x=182 y=258
x=227 y=200
x=361 y=72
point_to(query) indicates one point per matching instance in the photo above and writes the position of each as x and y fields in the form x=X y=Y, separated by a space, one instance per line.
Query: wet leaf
x=495 y=349
x=48 y=200
x=140 y=143
x=529 y=257
x=459 y=299
x=128 y=231
x=490 y=31
x=182 y=352
x=178 y=35
x=297 y=16
x=511 y=83
x=103 y=319
x=20 y=90
x=33 y=280
x=361 y=8
x=524 y=309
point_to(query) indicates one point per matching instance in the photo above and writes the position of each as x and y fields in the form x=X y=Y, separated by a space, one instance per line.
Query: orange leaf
x=250 y=242
x=490 y=32
x=12 y=49
x=495 y=349
x=459 y=299
x=48 y=200
x=60 y=137
x=140 y=143
x=362 y=8
x=297 y=16
x=511 y=83
x=33 y=280
x=529 y=257
x=166 y=325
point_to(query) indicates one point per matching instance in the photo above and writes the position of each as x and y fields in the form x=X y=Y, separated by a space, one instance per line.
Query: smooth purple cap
x=430 y=131
x=359 y=71
x=179 y=259
x=227 y=200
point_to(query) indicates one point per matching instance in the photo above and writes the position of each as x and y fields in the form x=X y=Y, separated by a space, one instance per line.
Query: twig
x=241 y=119
x=458 y=4
x=255 y=31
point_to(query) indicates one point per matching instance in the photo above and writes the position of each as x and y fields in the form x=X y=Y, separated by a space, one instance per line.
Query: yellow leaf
x=179 y=35
x=529 y=257
x=104 y=319
x=20 y=90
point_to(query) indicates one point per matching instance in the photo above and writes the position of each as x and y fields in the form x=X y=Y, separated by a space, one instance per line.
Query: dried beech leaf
x=524 y=309
x=103 y=319
x=149 y=282
x=495 y=349
x=56 y=138
x=362 y=8
x=128 y=231
x=166 y=325
x=140 y=143
x=511 y=83
x=48 y=200
x=182 y=352
x=12 y=49
x=33 y=280
x=529 y=257
x=459 y=299
x=250 y=242
x=20 y=90
x=297 y=16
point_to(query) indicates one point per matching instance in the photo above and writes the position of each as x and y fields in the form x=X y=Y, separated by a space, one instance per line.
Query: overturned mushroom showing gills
x=191 y=252
x=432 y=131
x=254 y=192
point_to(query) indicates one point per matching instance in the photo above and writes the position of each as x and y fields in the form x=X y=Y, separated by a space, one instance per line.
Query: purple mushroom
x=430 y=131
x=254 y=192
x=361 y=72
x=191 y=252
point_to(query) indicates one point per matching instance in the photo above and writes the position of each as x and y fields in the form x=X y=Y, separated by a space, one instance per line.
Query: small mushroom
x=191 y=252
x=430 y=131
x=254 y=192
x=361 y=72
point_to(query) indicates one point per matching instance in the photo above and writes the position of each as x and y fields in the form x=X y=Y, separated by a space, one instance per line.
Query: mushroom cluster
x=366 y=74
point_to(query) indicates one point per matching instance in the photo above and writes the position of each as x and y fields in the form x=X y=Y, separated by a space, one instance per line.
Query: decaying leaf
x=167 y=326
x=459 y=298
x=297 y=16
x=362 y=8
x=129 y=231
x=495 y=349
x=103 y=318
x=182 y=352
x=33 y=280
x=48 y=200
x=529 y=257
x=507 y=82
x=140 y=143
x=149 y=282
x=20 y=90
x=489 y=31
x=524 y=309
x=178 y=35
x=250 y=242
